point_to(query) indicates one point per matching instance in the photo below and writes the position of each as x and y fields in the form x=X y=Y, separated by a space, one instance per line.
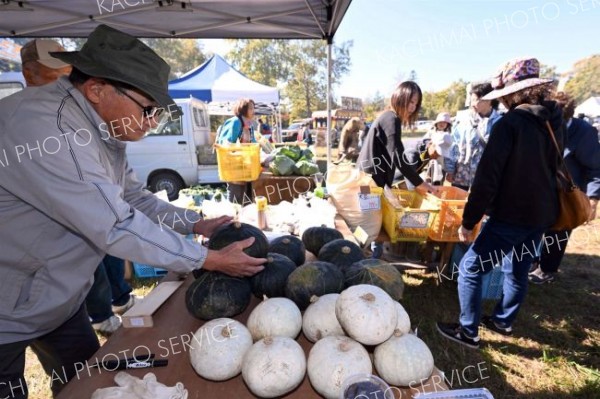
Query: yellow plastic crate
x=409 y=222
x=451 y=202
x=238 y=162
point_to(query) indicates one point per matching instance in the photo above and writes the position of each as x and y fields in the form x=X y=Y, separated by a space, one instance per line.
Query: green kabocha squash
x=213 y=294
x=315 y=237
x=376 y=272
x=290 y=246
x=237 y=231
x=271 y=280
x=341 y=253
x=313 y=278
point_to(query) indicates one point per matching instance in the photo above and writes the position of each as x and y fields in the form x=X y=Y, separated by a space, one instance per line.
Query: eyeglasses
x=149 y=111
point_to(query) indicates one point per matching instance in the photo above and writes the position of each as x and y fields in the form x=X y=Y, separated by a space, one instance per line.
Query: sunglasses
x=149 y=111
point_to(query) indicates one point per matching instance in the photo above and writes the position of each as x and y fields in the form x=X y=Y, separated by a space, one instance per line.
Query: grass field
x=553 y=354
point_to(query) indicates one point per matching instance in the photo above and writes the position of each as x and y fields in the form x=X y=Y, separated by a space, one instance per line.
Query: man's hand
x=425 y=187
x=594 y=205
x=207 y=227
x=465 y=235
x=232 y=260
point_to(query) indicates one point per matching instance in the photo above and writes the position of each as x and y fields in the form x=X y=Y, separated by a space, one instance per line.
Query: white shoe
x=109 y=325
x=124 y=308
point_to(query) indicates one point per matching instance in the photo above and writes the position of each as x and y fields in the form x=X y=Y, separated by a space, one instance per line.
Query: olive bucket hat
x=115 y=55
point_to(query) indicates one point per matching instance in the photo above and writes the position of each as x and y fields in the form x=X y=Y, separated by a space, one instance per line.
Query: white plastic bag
x=130 y=387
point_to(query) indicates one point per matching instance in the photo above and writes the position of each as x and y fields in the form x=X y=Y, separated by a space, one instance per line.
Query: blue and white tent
x=216 y=81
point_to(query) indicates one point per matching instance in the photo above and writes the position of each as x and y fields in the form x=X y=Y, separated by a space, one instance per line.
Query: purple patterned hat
x=516 y=75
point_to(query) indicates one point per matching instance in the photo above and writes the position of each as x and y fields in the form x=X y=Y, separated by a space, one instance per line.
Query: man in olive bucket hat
x=515 y=185
x=68 y=197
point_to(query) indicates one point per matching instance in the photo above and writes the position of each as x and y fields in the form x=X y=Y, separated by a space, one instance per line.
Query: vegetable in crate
x=313 y=278
x=306 y=168
x=341 y=253
x=376 y=272
x=236 y=231
x=213 y=295
x=315 y=237
x=290 y=246
x=282 y=166
x=271 y=280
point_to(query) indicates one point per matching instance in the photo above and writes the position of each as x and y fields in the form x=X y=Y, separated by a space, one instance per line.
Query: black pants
x=553 y=250
x=240 y=193
x=59 y=352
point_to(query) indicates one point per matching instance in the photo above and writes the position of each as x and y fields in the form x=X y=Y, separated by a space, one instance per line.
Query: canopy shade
x=590 y=107
x=217 y=81
x=273 y=19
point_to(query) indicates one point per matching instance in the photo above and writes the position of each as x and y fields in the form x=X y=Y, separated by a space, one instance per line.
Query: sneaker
x=120 y=309
x=533 y=268
x=454 y=332
x=539 y=277
x=108 y=326
x=491 y=325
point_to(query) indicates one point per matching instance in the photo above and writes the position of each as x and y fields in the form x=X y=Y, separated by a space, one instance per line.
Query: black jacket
x=382 y=152
x=582 y=156
x=515 y=180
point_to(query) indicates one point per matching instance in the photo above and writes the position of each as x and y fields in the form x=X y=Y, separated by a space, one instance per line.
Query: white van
x=178 y=153
x=10 y=83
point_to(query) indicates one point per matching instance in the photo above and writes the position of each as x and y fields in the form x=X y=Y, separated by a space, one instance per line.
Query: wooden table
x=170 y=338
x=282 y=188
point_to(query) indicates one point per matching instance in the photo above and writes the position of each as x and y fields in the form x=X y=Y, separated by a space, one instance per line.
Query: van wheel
x=166 y=181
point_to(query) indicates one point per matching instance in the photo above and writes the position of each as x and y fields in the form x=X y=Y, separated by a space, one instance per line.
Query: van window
x=8 y=88
x=199 y=116
x=172 y=127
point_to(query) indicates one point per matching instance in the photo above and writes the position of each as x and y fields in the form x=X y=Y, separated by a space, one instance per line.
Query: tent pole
x=328 y=138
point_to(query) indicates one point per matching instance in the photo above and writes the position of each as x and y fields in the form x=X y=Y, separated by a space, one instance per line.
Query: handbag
x=574 y=207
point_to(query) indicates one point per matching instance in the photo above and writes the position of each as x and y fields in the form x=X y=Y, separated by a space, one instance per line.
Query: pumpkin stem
x=226 y=332
x=269 y=259
x=346 y=250
x=265 y=297
x=398 y=333
x=314 y=299
x=344 y=346
x=368 y=297
x=268 y=340
x=286 y=240
x=237 y=225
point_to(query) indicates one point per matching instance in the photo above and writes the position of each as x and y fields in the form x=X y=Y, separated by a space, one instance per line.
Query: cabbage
x=282 y=166
x=306 y=168
x=293 y=152
x=307 y=155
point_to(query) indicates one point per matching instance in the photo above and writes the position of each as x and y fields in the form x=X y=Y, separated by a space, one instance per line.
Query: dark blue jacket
x=582 y=156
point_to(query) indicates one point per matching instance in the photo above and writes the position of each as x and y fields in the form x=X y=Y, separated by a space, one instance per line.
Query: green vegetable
x=307 y=155
x=282 y=166
x=306 y=168
x=293 y=152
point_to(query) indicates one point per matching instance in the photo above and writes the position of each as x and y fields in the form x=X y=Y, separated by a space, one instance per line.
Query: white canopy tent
x=590 y=107
x=217 y=81
x=244 y=19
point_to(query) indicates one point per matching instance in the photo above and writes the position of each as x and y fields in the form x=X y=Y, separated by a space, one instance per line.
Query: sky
x=447 y=40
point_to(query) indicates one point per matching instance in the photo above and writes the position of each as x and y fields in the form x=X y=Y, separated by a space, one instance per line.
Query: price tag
x=414 y=220
x=361 y=235
x=369 y=202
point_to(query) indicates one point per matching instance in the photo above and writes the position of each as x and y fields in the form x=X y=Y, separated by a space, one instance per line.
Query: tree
x=449 y=100
x=300 y=66
x=585 y=81
x=373 y=106
x=182 y=55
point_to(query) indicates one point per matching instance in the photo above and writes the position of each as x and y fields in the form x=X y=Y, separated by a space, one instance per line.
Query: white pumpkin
x=367 y=313
x=218 y=348
x=333 y=359
x=274 y=366
x=403 y=323
x=319 y=319
x=403 y=360
x=275 y=317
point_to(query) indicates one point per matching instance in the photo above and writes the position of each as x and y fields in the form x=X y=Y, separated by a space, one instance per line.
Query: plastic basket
x=451 y=202
x=492 y=283
x=145 y=271
x=409 y=222
x=238 y=162
x=472 y=393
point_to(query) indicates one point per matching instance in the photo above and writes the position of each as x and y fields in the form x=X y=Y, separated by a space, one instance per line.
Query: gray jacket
x=68 y=197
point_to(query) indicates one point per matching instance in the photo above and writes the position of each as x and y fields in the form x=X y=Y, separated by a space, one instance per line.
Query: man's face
x=123 y=111
x=482 y=107
x=37 y=74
